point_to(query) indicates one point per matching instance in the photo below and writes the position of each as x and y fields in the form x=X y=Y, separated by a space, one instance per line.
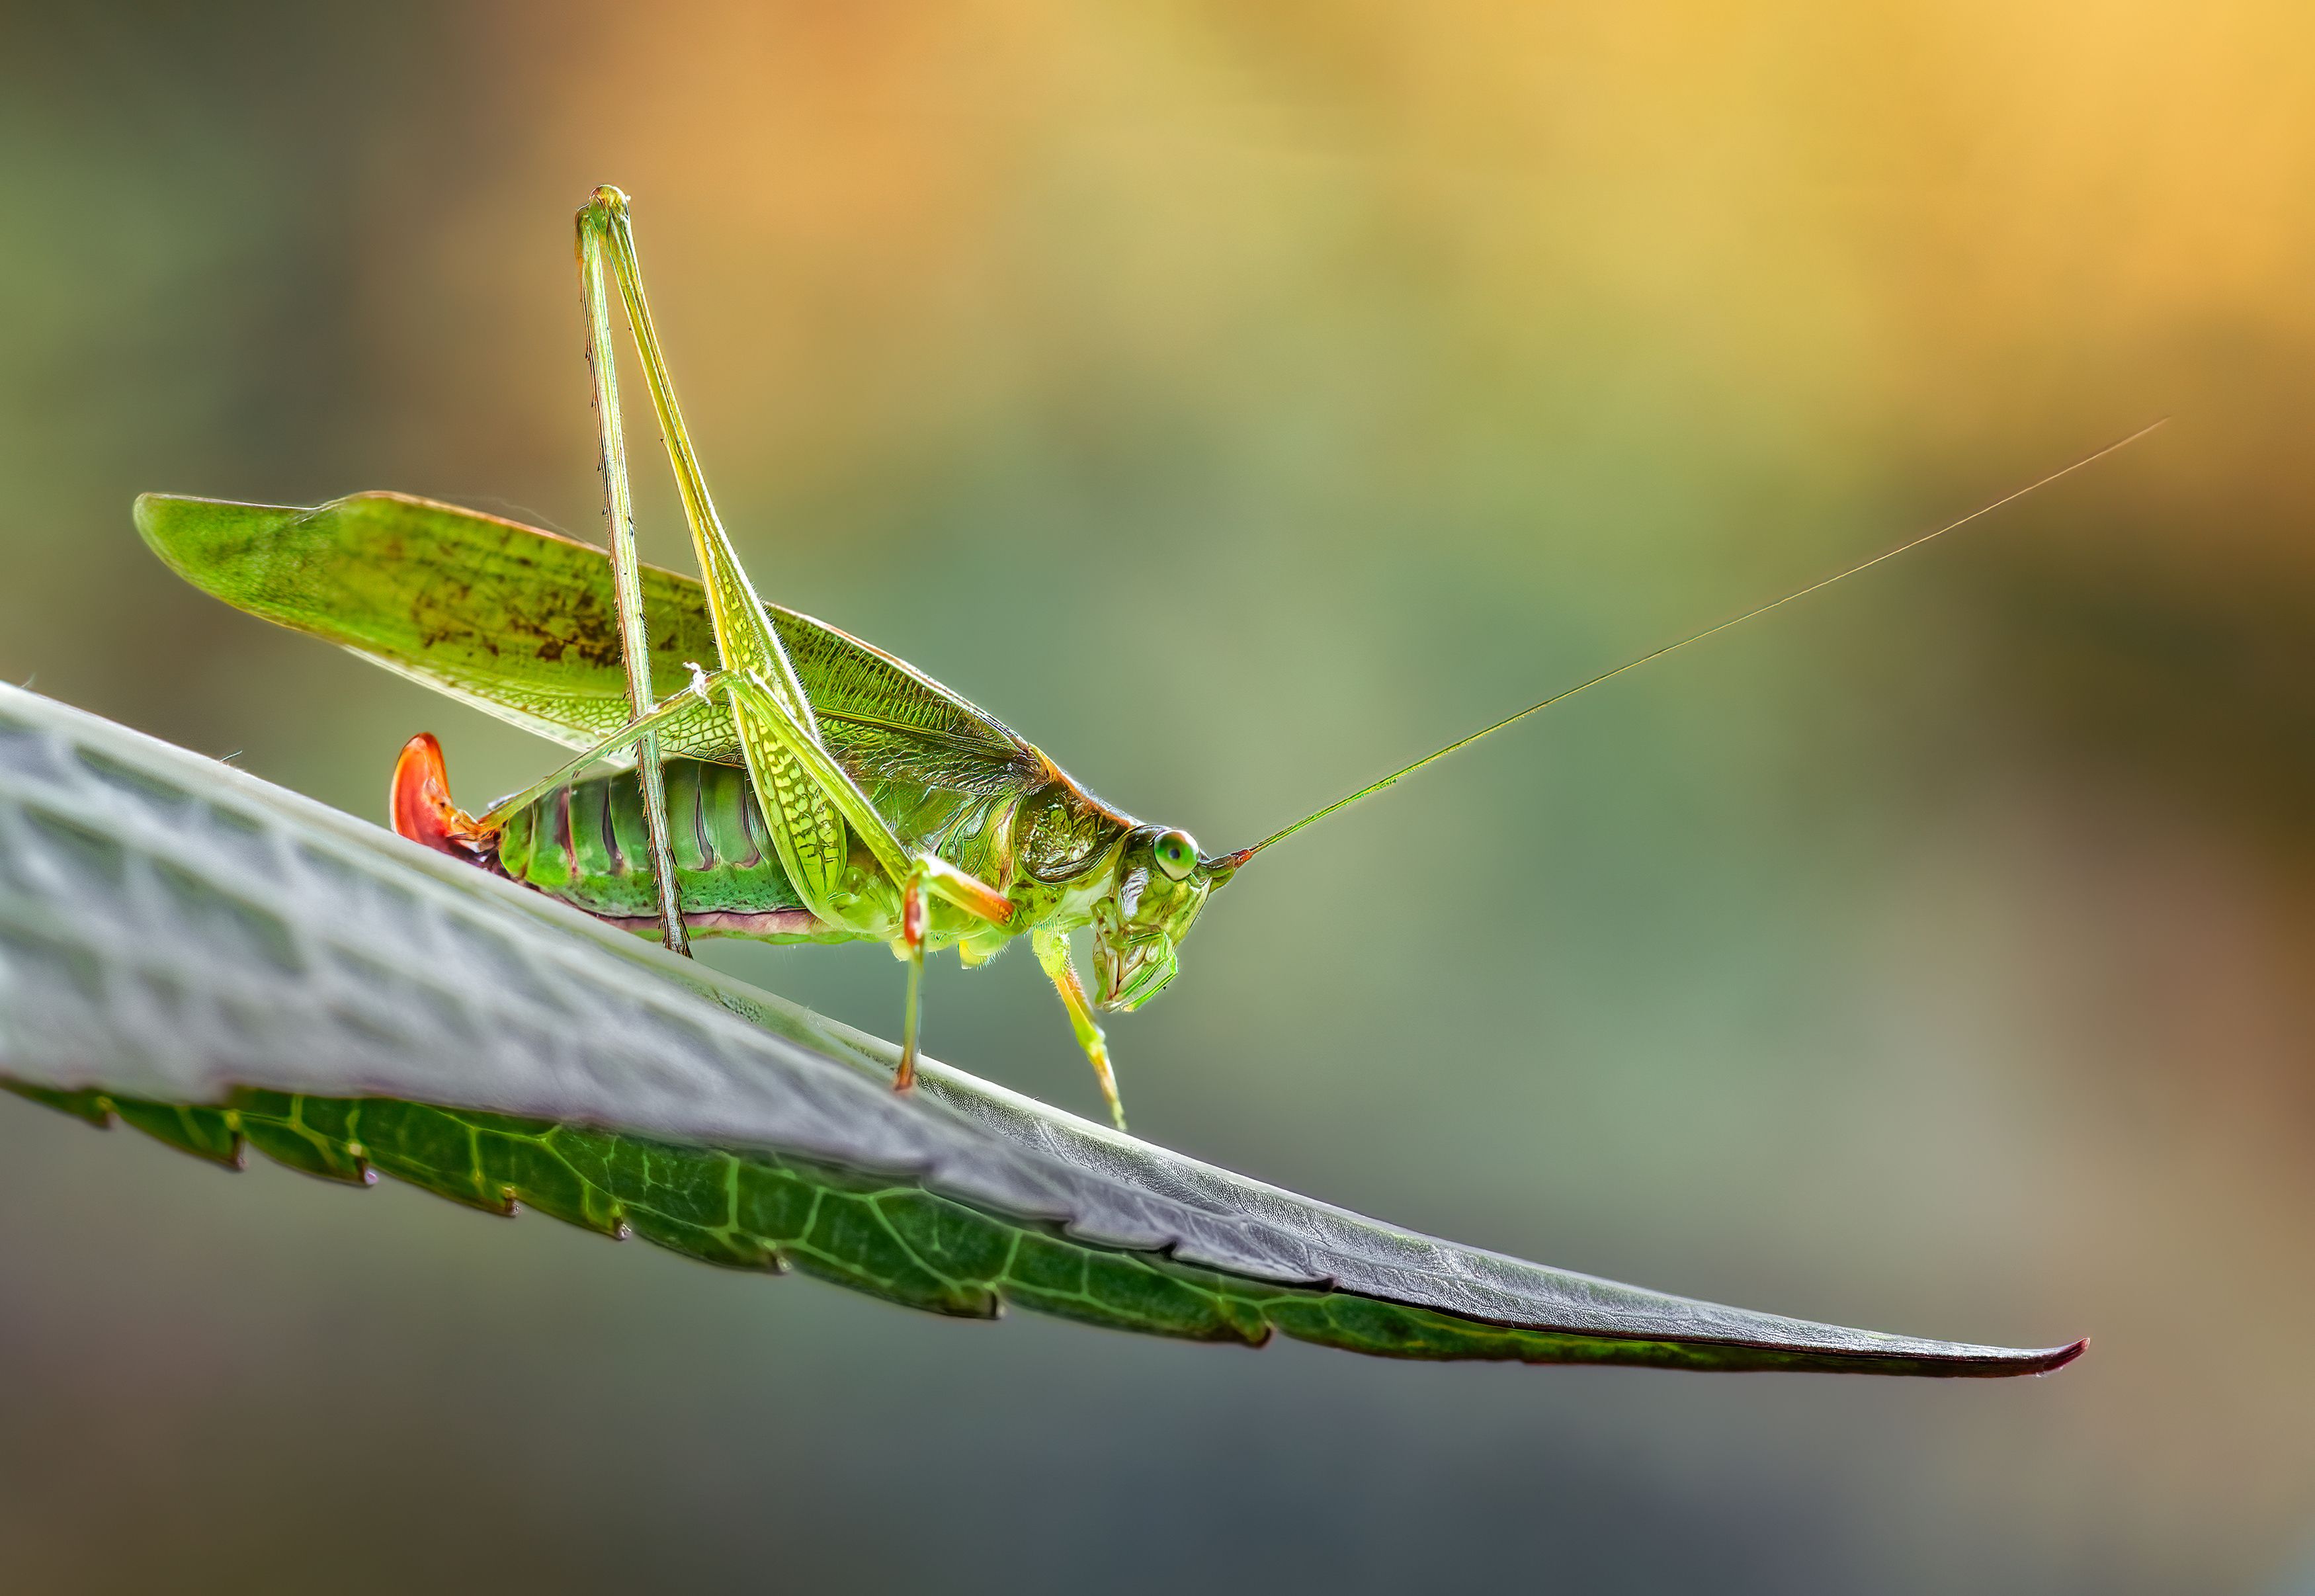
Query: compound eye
x=1177 y=853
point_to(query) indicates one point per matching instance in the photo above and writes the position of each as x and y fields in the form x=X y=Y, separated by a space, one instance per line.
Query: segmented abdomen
x=585 y=844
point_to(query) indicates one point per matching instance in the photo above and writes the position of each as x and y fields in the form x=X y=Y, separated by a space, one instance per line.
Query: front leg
x=1053 y=953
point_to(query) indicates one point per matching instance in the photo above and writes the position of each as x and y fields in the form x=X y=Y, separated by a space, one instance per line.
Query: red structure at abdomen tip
x=422 y=810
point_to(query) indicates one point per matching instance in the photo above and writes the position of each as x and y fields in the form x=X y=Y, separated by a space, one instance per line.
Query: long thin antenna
x=1232 y=861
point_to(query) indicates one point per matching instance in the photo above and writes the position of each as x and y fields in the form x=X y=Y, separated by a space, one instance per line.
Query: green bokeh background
x=1240 y=400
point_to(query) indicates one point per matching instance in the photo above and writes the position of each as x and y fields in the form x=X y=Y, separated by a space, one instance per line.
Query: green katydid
x=808 y=788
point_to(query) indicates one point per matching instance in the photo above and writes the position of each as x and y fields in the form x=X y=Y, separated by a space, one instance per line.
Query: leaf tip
x=2059 y=1357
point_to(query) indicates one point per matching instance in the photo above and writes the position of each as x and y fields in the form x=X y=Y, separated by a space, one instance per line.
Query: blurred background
x=1242 y=400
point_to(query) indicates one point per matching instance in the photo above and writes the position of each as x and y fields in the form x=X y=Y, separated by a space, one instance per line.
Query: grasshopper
x=808 y=788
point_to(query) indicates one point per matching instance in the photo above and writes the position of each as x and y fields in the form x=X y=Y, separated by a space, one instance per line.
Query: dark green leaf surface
x=220 y=963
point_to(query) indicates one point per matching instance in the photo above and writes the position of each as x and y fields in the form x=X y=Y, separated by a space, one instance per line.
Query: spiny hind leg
x=618 y=507
x=1054 y=953
x=808 y=800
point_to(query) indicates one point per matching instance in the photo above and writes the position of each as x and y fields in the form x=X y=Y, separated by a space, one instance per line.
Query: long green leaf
x=219 y=964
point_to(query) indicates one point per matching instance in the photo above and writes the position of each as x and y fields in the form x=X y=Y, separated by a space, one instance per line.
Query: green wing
x=523 y=624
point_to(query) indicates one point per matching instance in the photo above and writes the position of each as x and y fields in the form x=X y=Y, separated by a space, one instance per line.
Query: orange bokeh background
x=1241 y=400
